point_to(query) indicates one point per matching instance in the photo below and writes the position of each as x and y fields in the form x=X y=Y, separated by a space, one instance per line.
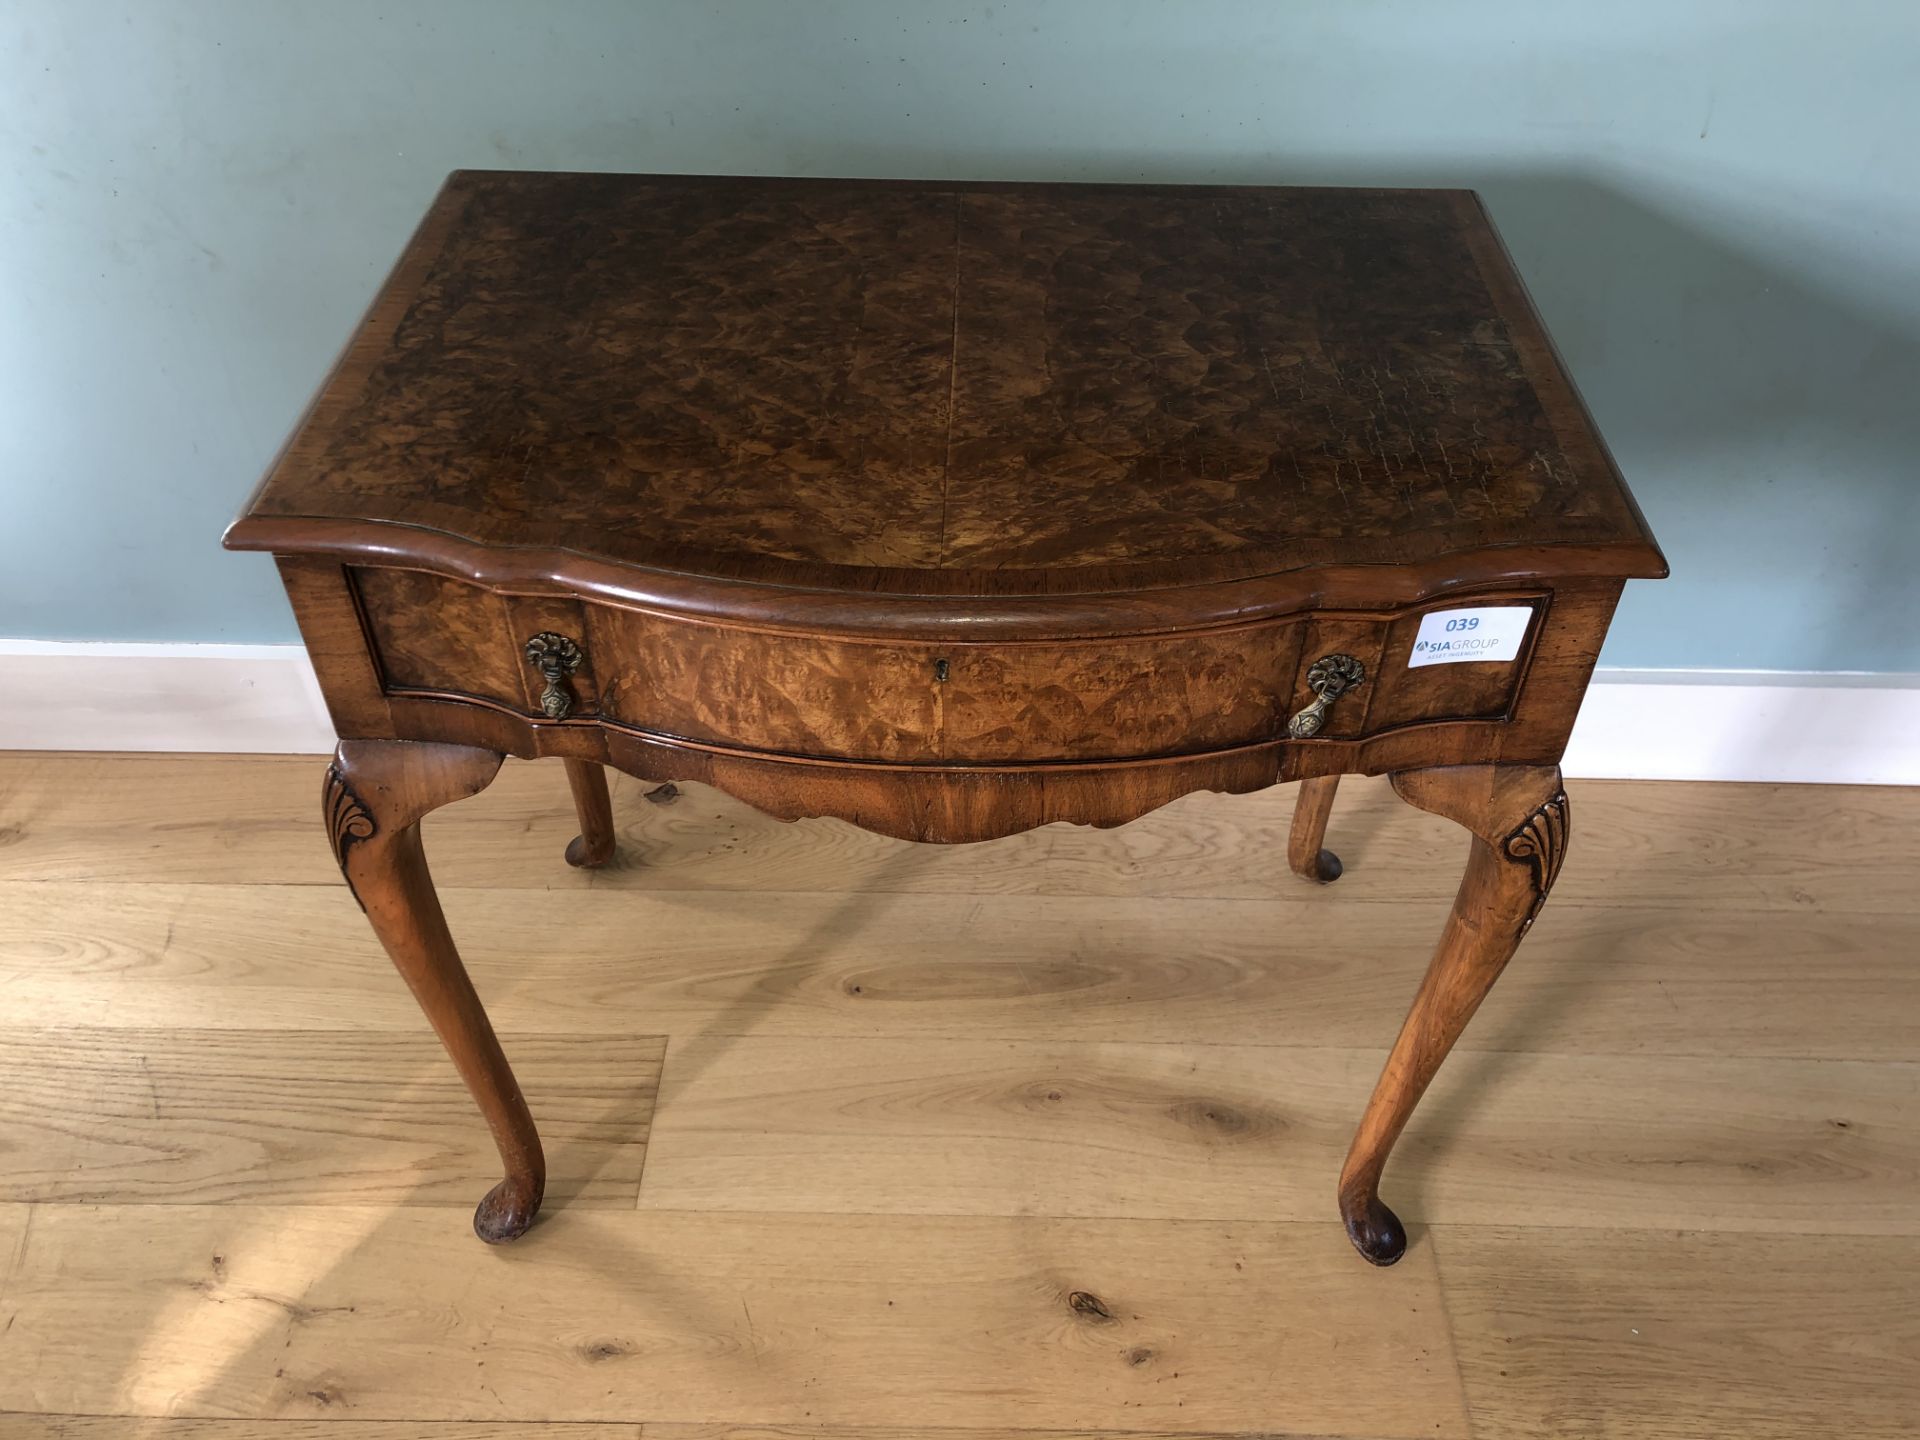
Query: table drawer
x=907 y=702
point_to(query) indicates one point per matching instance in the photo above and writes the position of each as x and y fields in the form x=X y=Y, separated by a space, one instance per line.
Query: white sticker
x=1493 y=632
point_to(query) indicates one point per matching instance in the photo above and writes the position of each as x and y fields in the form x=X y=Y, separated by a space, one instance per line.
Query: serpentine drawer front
x=1088 y=698
x=950 y=511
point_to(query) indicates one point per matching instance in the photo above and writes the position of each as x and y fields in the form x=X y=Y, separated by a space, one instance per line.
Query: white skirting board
x=1636 y=724
x=249 y=699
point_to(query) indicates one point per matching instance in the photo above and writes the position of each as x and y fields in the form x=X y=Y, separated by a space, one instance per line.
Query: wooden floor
x=852 y=1138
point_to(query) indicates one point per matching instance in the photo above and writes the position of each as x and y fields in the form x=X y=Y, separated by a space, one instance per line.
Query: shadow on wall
x=1768 y=425
x=1738 y=395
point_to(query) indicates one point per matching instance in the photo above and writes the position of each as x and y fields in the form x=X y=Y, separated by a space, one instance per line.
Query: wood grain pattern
x=1518 y=818
x=958 y=801
x=14 y=1221
x=1306 y=837
x=333 y=629
x=432 y=634
x=182 y=1116
x=73 y=1427
x=1643 y=1064
x=1834 y=851
x=1023 y=701
x=435 y=635
x=1099 y=729
x=881 y=1320
x=1634 y=980
x=593 y=804
x=966 y=389
x=129 y=1427
x=1654 y=1334
x=666 y=1431
x=1020 y=701
x=392 y=786
x=1411 y=696
x=1248 y=1132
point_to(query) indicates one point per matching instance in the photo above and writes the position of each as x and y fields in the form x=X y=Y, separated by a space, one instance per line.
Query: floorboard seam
x=18 y=1254
x=1453 y=1333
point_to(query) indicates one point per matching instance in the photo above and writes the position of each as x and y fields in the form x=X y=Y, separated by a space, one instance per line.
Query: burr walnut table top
x=925 y=389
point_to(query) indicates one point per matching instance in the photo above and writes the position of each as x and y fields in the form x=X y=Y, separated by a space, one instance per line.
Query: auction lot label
x=1492 y=632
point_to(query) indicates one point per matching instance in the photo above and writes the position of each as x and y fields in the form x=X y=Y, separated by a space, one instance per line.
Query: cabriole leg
x=1518 y=817
x=593 y=846
x=1306 y=851
x=375 y=793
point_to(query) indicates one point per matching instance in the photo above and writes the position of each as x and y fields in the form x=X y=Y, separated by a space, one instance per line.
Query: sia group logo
x=1488 y=633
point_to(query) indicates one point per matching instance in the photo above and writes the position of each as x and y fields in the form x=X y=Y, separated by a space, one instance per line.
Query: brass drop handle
x=555 y=656
x=1330 y=677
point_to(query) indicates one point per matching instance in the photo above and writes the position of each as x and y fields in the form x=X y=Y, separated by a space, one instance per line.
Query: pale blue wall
x=1715 y=204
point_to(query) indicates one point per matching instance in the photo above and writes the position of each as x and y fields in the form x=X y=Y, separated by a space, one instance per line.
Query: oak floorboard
x=1644 y=1068
x=253 y=819
x=1620 y=980
x=128 y=1427
x=1675 y=1336
x=375 y=1313
x=1258 y=1133
x=658 y=1431
x=14 y=1221
x=211 y=1116
x=123 y=1427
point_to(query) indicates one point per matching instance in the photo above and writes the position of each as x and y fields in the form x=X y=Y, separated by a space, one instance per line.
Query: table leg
x=375 y=793
x=593 y=846
x=1518 y=817
x=1311 y=806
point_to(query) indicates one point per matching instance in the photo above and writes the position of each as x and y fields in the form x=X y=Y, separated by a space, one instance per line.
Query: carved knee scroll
x=348 y=820
x=1540 y=842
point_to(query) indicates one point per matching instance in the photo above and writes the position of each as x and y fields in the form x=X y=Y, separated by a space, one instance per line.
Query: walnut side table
x=952 y=510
